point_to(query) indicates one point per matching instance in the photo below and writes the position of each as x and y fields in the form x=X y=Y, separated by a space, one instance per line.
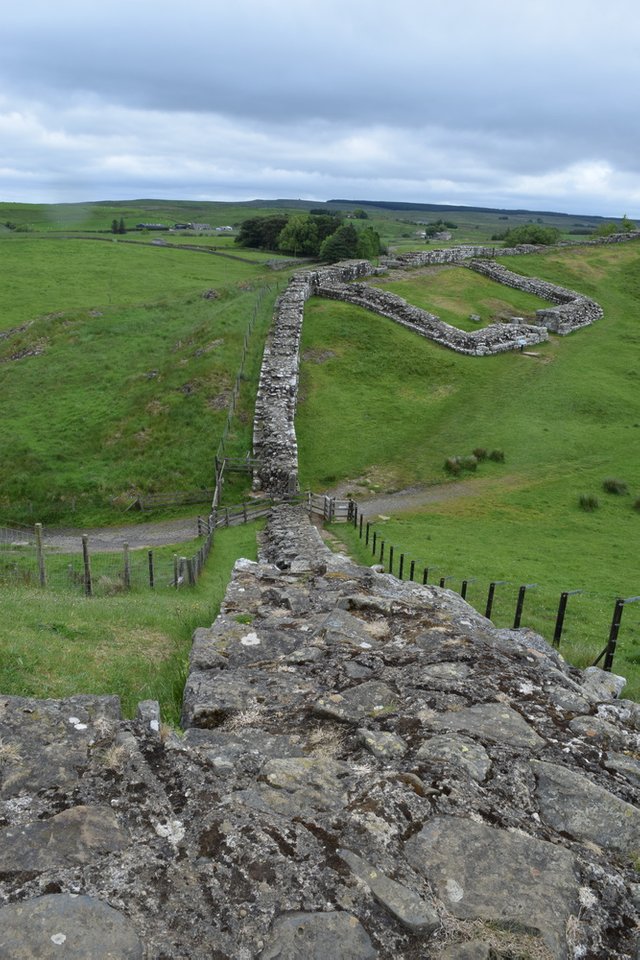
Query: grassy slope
x=566 y=420
x=57 y=643
x=94 y=416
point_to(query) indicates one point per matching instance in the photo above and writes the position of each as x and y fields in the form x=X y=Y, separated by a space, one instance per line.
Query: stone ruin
x=274 y=439
x=368 y=769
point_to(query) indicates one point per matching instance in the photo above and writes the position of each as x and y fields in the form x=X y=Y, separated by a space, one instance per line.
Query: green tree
x=341 y=245
x=531 y=233
x=628 y=226
x=368 y=243
x=121 y=226
x=114 y=226
x=300 y=237
x=261 y=232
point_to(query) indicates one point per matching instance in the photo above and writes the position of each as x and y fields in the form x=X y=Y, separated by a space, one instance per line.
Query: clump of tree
x=438 y=226
x=117 y=226
x=261 y=232
x=317 y=234
x=529 y=233
x=608 y=229
x=304 y=235
x=347 y=243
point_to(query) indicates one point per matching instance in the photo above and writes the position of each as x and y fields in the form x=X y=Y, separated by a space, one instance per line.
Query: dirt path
x=104 y=539
x=412 y=498
x=166 y=532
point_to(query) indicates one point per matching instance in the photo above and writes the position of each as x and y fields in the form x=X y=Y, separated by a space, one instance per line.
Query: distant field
x=565 y=419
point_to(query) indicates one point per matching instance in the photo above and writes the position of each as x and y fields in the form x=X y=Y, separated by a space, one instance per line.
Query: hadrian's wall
x=274 y=438
x=574 y=310
x=370 y=770
x=497 y=338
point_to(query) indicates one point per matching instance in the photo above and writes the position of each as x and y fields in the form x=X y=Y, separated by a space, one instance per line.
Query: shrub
x=469 y=463
x=588 y=502
x=636 y=504
x=611 y=485
x=480 y=454
x=452 y=465
x=497 y=456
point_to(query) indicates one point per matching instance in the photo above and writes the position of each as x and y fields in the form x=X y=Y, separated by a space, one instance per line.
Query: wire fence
x=93 y=566
x=501 y=601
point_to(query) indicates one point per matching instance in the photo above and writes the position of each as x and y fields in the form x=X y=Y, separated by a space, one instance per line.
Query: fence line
x=335 y=510
x=223 y=455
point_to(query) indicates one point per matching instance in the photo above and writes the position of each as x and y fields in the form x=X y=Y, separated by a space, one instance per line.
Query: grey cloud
x=281 y=98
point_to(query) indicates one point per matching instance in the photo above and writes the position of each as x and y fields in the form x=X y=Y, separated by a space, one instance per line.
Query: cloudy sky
x=509 y=103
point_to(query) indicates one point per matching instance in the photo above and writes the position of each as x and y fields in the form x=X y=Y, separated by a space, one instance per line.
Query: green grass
x=100 y=401
x=43 y=275
x=453 y=293
x=566 y=419
x=56 y=643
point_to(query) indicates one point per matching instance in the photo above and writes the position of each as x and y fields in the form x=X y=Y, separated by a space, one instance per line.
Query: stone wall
x=574 y=310
x=370 y=769
x=274 y=437
x=497 y=338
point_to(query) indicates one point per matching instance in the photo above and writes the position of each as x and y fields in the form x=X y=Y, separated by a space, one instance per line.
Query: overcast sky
x=509 y=103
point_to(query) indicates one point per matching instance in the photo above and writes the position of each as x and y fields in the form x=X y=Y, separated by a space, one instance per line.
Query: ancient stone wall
x=497 y=338
x=573 y=311
x=274 y=438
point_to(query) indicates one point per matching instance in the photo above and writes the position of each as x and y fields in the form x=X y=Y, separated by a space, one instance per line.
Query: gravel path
x=166 y=532
x=104 y=539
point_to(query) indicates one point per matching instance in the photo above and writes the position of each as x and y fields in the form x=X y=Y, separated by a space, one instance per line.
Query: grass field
x=565 y=419
x=121 y=377
x=455 y=293
x=135 y=645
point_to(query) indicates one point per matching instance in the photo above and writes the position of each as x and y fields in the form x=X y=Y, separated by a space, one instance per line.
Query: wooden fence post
x=88 y=585
x=127 y=566
x=151 y=572
x=175 y=570
x=42 y=573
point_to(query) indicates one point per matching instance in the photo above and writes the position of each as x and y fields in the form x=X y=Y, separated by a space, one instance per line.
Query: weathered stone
x=600 y=685
x=74 y=836
x=149 y=713
x=492 y=721
x=602 y=732
x=573 y=804
x=383 y=745
x=461 y=752
x=483 y=873
x=629 y=767
x=339 y=626
x=478 y=950
x=370 y=700
x=210 y=697
x=411 y=910
x=567 y=699
x=69 y=926
x=317 y=936
x=297 y=784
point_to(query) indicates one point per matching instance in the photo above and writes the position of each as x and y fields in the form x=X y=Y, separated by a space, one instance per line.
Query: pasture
x=566 y=418
x=116 y=372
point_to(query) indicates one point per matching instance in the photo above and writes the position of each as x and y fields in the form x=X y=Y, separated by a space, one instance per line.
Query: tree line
x=319 y=235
